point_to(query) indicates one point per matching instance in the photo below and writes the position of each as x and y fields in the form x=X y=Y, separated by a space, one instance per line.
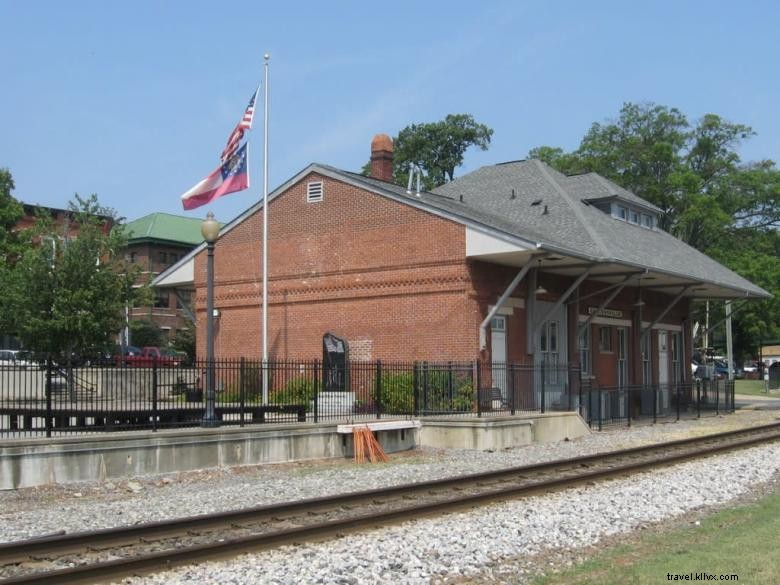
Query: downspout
x=502 y=299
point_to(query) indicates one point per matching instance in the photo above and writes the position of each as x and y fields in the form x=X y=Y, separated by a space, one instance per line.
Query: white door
x=663 y=358
x=551 y=354
x=498 y=353
x=622 y=373
x=663 y=369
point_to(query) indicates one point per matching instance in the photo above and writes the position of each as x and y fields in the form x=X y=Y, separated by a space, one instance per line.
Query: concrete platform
x=496 y=433
x=33 y=462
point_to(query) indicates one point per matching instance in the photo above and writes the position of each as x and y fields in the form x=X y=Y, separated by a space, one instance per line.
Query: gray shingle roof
x=592 y=187
x=531 y=201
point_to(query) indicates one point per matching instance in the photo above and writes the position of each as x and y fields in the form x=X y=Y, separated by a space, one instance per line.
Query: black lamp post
x=210 y=230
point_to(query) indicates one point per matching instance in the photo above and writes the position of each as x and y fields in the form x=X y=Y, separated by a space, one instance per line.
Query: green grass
x=742 y=541
x=754 y=387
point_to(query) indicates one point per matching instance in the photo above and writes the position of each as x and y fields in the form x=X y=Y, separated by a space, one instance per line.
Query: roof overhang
x=180 y=275
x=607 y=271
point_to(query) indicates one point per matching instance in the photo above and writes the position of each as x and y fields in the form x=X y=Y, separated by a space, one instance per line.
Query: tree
x=10 y=247
x=707 y=196
x=145 y=333
x=11 y=212
x=185 y=341
x=68 y=293
x=437 y=148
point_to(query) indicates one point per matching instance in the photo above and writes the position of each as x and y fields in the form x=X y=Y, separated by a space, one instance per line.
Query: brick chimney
x=382 y=158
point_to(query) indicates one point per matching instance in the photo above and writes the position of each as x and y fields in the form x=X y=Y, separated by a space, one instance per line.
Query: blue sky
x=134 y=100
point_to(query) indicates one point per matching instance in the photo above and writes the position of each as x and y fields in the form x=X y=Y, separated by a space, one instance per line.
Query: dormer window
x=630 y=214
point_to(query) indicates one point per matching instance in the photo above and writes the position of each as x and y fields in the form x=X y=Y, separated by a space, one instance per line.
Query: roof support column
x=668 y=308
x=729 y=342
x=502 y=299
x=561 y=300
x=184 y=306
x=606 y=301
x=734 y=311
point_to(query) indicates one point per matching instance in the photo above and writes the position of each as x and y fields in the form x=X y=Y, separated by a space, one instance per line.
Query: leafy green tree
x=67 y=291
x=10 y=247
x=437 y=148
x=144 y=333
x=708 y=197
x=185 y=341
x=11 y=212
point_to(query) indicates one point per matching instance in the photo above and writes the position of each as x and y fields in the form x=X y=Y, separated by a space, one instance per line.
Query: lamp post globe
x=210 y=231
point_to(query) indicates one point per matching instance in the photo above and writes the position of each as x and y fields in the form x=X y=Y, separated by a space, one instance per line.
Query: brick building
x=156 y=242
x=512 y=262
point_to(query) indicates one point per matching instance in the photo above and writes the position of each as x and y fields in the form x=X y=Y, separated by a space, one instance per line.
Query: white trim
x=315 y=191
x=389 y=425
x=509 y=307
x=482 y=244
x=606 y=321
x=663 y=326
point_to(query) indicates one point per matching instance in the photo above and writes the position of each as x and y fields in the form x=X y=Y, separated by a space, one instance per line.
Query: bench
x=385 y=425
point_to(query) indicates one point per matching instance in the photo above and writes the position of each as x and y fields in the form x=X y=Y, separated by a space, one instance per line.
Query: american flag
x=246 y=121
x=238 y=132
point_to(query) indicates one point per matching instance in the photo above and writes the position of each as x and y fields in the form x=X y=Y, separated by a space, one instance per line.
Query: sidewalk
x=769 y=401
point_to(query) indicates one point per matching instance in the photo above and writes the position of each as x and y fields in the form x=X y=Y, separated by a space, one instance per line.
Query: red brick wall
x=389 y=278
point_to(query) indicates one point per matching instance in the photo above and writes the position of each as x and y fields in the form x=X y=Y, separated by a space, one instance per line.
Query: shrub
x=299 y=390
x=439 y=390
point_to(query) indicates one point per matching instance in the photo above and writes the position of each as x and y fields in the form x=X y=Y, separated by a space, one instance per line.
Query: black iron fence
x=52 y=400
x=621 y=405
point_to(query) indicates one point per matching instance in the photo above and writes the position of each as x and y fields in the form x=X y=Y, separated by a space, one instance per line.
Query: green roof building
x=156 y=242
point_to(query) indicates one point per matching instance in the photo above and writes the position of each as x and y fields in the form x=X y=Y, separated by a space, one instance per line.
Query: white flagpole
x=265 y=234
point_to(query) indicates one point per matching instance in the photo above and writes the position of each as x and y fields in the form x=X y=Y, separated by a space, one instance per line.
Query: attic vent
x=314 y=192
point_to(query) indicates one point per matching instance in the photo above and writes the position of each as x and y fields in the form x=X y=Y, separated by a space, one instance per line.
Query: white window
x=647 y=220
x=634 y=217
x=314 y=192
x=622 y=212
x=605 y=338
x=644 y=348
x=585 y=351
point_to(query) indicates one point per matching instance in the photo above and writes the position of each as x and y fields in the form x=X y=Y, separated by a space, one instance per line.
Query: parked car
x=150 y=356
x=15 y=358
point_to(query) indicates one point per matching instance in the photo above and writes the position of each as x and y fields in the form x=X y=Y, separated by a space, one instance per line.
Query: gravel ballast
x=450 y=547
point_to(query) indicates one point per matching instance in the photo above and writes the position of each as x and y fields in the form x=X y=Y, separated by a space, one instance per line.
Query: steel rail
x=10 y=552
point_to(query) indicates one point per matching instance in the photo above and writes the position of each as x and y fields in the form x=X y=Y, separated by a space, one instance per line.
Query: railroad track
x=101 y=555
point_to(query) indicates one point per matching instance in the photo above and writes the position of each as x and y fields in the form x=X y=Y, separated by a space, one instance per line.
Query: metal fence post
x=580 y=397
x=155 y=390
x=600 y=408
x=378 y=389
x=541 y=398
x=655 y=404
x=416 y=389
x=241 y=390
x=477 y=383
x=450 y=389
x=317 y=387
x=48 y=395
x=717 y=398
x=511 y=375
x=678 y=401
x=628 y=405
x=425 y=387
x=698 y=400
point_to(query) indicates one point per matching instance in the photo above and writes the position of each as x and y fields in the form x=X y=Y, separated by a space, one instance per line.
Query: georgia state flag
x=229 y=177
